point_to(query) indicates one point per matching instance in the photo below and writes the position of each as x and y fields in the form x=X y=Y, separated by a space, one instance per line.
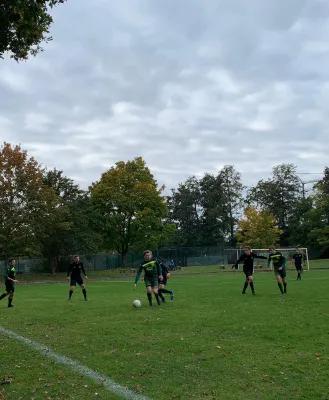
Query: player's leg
x=73 y=284
x=148 y=291
x=246 y=282
x=164 y=290
x=4 y=295
x=83 y=287
x=251 y=283
x=161 y=287
x=299 y=272
x=279 y=280
x=10 y=299
x=284 y=279
x=156 y=291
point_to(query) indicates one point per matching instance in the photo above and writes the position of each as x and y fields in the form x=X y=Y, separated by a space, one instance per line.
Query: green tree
x=132 y=207
x=71 y=225
x=24 y=25
x=24 y=201
x=258 y=229
x=280 y=195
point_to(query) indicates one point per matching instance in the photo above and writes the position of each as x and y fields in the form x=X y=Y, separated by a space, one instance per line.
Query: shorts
x=299 y=267
x=163 y=281
x=10 y=287
x=281 y=273
x=248 y=272
x=153 y=282
x=78 y=281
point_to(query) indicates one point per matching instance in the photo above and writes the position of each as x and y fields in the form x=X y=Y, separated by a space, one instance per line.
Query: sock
x=84 y=291
x=166 y=291
x=280 y=287
x=252 y=286
x=149 y=296
x=3 y=296
x=157 y=297
x=299 y=276
x=70 y=293
x=10 y=300
x=285 y=286
x=160 y=294
x=245 y=286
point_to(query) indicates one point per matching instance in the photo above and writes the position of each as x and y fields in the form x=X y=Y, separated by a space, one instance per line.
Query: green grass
x=210 y=343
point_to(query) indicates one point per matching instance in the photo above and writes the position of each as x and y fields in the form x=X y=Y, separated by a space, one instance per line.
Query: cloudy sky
x=190 y=85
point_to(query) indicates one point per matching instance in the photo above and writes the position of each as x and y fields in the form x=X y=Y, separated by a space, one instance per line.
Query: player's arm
x=140 y=269
x=260 y=257
x=83 y=271
x=159 y=268
x=238 y=262
x=6 y=276
x=268 y=262
x=69 y=269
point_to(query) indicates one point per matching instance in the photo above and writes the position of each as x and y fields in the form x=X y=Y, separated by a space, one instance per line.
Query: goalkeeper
x=279 y=266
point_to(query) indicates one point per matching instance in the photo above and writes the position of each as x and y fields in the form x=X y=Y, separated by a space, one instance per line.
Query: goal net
x=260 y=264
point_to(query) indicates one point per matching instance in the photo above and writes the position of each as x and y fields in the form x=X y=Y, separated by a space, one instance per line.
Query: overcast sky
x=190 y=85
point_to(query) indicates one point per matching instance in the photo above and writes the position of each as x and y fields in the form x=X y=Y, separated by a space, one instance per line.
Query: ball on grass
x=137 y=303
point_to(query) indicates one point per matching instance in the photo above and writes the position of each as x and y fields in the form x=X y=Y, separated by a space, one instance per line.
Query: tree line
x=45 y=214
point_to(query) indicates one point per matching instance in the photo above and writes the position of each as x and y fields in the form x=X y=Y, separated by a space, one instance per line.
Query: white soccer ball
x=137 y=303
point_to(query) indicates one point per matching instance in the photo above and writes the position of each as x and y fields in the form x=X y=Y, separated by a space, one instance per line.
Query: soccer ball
x=137 y=303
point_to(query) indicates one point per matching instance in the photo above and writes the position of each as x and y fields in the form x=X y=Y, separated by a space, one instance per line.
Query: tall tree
x=258 y=229
x=71 y=224
x=24 y=25
x=280 y=195
x=132 y=206
x=185 y=207
x=233 y=198
x=24 y=201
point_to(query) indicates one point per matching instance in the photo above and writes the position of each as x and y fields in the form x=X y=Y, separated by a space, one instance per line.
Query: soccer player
x=248 y=267
x=163 y=282
x=279 y=266
x=152 y=273
x=74 y=276
x=298 y=259
x=10 y=280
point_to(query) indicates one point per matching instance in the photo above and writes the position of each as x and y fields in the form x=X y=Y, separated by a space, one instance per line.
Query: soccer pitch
x=211 y=342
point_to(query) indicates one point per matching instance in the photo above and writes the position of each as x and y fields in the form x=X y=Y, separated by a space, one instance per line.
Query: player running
x=163 y=282
x=10 y=280
x=248 y=267
x=279 y=266
x=74 y=276
x=152 y=273
x=298 y=259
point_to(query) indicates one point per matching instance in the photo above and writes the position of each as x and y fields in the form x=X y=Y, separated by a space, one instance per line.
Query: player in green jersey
x=279 y=267
x=152 y=272
x=10 y=280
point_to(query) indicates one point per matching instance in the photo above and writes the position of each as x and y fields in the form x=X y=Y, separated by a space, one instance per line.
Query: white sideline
x=108 y=383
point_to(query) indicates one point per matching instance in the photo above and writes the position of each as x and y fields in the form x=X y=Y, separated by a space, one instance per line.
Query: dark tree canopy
x=24 y=25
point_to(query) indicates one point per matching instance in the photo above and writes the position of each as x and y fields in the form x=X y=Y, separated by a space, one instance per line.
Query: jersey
x=277 y=259
x=74 y=270
x=248 y=261
x=10 y=273
x=298 y=258
x=152 y=269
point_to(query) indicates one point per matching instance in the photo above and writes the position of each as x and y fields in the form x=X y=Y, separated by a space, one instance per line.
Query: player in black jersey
x=163 y=283
x=248 y=267
x=298 y=259
x=10 y=280
x=74 y=276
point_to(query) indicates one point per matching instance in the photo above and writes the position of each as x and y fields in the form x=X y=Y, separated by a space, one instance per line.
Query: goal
x=260 y=264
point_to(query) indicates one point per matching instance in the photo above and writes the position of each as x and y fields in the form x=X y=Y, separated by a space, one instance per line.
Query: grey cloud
x=190 y=86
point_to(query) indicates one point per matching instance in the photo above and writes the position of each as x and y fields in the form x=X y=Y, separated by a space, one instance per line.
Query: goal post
x=288 y=252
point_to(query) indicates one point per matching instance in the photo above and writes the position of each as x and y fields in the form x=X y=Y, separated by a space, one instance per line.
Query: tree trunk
x=123 y=259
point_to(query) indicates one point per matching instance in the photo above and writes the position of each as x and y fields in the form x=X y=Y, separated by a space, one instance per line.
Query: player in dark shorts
x=299 y=259
x=279 y=266
x=74 y=276
x=248 y=268
x=163 y=282
x=152 y=273
x=10 y=280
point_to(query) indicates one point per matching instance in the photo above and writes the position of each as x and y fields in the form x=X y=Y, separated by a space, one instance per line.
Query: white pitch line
x=76 y=366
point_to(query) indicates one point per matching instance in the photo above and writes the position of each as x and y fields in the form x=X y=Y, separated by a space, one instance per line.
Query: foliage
x=24 y=25
x=131 y=205
x=24 y=201
x=258 y=229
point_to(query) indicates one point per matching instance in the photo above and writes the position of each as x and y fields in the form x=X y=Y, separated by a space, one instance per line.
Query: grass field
x=210 y=343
